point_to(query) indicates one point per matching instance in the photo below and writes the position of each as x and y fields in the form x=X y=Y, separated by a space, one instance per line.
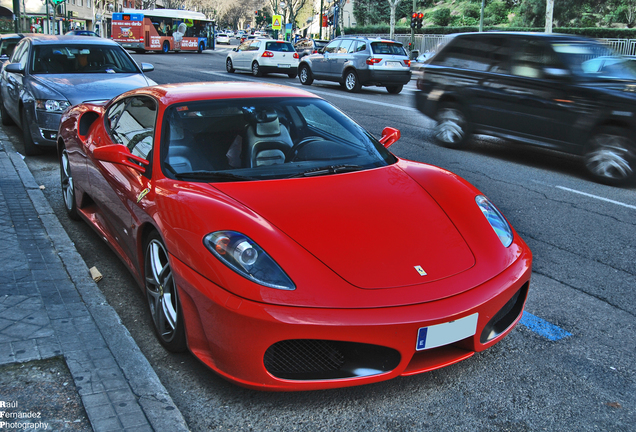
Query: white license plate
x=284 y=66
x=392 y=64
x=446 y=333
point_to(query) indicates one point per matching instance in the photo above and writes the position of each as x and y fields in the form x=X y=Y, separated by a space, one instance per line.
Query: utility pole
x=16 y=15
x=481 y=16
x=412 y=44
x=320 y=22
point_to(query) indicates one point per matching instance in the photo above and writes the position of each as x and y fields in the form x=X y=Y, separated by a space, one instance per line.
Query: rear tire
x=292 y=74
x=611 y=156
x=68 y=186
x=256 y=70
x=166 y=47
x=394 y=89
x=452 y=129
x=304 y=75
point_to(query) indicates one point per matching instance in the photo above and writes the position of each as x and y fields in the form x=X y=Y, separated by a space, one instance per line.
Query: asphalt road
x=582 y=236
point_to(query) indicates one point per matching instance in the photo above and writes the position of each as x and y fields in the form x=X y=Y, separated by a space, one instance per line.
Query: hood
x=373 y=228
x=78 y=88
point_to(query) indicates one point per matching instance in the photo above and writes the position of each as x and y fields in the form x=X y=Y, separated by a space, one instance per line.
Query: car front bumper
x=272 y=347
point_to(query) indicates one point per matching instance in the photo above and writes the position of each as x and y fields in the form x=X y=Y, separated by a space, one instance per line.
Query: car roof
x=551 y=36
x=70 y=40
x=17 y=35
x=188 y=92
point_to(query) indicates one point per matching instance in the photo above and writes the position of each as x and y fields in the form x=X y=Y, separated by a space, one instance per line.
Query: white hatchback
x=222 y=38
x=263 y=56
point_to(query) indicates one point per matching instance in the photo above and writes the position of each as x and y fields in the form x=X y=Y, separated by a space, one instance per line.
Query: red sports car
x=285 y=246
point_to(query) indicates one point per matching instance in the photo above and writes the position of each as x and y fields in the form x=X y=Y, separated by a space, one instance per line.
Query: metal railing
x=430 y=42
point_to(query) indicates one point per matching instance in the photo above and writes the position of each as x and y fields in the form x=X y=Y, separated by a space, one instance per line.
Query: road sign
x=277 y=22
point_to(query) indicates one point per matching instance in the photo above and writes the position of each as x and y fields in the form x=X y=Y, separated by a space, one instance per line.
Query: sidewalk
x=51 y=308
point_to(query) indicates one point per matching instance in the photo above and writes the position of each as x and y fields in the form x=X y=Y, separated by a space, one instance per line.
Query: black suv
x=566 y=93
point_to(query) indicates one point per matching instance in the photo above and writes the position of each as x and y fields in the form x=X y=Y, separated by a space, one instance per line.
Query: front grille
x=303 y=356
x=313 y=359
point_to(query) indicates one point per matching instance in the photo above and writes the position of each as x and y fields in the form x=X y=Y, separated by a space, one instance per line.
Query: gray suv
x=358 y=61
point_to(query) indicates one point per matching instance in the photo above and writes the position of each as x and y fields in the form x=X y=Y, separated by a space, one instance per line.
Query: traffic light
x=414 y=20
x=420 y=17
x=255 y=12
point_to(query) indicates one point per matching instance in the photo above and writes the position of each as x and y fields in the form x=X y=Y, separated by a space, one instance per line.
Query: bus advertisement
x=162 y=30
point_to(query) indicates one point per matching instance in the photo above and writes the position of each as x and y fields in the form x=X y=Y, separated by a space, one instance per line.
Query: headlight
x=50 y=105
x=245 y=257
x=496 y=220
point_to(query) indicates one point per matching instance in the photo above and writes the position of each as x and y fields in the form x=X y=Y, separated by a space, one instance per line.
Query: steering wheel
x=302 y=143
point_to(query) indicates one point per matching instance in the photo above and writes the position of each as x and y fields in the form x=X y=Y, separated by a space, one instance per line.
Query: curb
x=153 y=398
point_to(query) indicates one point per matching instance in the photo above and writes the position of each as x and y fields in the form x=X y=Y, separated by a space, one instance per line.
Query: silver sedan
x=47 y=74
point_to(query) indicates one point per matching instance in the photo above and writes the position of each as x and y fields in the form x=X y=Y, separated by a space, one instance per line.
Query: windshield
x=268 y=138
x=65 y=59
x=595 y=60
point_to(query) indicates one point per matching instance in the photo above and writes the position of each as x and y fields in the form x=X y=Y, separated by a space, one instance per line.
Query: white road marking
x=596 y=197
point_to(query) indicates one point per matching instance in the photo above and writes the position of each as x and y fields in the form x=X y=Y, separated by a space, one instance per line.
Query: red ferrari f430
x=284 y=245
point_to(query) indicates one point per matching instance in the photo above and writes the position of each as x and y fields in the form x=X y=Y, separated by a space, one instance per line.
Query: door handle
x=518 y=92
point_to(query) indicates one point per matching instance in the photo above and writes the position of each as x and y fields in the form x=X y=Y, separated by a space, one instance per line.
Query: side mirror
x=389 y=136
x=119 y=154
x=14 y=68
x=147 y=67
x=235 y=49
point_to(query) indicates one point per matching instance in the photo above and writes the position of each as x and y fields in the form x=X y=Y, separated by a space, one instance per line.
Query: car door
x=343 y=55
x=320 y=64
x=538 y=100
x=119 y=190
x=13 y=82
x=253 y=52
x=239 y=57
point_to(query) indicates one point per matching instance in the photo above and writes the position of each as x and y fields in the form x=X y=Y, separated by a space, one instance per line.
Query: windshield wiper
x=212 y=175
x=331 y=169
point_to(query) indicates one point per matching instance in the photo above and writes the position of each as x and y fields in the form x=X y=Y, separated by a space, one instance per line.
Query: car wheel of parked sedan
x=352 y=83
x=452 y=126
x=256 y=70
x=229 y=66
x=68 y=188
x=163 y=297
x=6 y=120
x=394 y=89
x=304 y=75
x=611 y=156
x=30 y=149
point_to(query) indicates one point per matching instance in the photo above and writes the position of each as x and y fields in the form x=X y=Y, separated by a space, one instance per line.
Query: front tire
x=68 y=187
x=30 y=149
x=352 y=83
x=166 y=47
x=452 y=126
x=304 y=75
x=229 y=67
x=611 y=156
x=6 y=120
x=163 y=296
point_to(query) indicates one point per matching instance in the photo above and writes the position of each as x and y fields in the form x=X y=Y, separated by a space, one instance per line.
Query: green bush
x=442 y=17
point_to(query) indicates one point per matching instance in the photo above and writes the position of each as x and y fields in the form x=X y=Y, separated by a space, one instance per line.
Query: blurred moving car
x=81 y=33
x=300 y=195
x=240 y=34
x=222 y=38
x=561 y=92
x=47 y=74
x=309 y=46
x=263 y=56
x=358 y=61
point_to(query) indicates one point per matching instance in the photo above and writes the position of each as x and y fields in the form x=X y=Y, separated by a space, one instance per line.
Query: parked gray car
x=46 y=74
x=358 y=61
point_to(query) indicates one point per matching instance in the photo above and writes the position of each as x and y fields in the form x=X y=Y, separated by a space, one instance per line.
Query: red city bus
x=162 y=30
